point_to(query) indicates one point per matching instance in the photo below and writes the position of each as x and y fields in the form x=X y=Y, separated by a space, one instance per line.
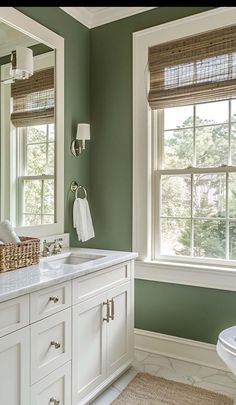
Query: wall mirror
x=32 y=125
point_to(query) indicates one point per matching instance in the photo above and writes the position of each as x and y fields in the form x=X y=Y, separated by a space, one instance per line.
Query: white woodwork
x=45 y=357
x=119 y=329
x=50 y=300
x=88 y=346
x=83 y=288
x=56 y=385
x=14 y=314
x=92 y=352
x=15 y=368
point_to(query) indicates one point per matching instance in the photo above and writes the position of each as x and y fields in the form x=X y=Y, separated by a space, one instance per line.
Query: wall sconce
x=22 y=65
x=82 y=135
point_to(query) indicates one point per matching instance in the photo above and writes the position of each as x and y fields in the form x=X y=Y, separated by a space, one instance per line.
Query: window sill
x=198 y=275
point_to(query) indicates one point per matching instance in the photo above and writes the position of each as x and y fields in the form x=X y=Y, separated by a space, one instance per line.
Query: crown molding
x=92 y=20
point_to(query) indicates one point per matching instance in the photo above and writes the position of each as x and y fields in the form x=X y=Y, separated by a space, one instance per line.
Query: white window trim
x=42 y=34
x=201 y=275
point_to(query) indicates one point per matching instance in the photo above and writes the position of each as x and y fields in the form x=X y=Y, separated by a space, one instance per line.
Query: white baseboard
x=178 y=348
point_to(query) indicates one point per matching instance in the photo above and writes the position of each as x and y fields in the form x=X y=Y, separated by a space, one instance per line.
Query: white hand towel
x=82 y=220
x=7 y=233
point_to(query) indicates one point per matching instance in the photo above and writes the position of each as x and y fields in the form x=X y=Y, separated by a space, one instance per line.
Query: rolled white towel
x=7 y=233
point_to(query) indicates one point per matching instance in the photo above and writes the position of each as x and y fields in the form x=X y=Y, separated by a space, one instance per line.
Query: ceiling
x=10 y=38
x=96 y=16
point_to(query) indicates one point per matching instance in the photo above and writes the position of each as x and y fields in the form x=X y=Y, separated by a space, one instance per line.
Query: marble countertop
x=49 y=271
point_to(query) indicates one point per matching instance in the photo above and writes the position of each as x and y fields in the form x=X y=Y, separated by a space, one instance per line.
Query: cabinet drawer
x=49 y=301
x=14 y=314
x=84 y=287
x=50 y=344
x=55 y=389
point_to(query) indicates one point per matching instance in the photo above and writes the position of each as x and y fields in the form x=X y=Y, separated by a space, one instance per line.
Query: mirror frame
x=19 y=21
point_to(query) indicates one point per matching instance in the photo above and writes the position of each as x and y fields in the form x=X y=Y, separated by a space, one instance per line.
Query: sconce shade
x=22 y=65
x=83 y=132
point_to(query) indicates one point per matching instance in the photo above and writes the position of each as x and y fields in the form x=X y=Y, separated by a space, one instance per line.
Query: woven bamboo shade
x=33 y=99
x=193 y=70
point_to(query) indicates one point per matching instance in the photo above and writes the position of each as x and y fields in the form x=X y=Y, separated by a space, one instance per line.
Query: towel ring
x=74 y=187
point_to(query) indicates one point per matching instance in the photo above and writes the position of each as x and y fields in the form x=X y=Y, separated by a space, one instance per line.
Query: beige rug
x=146 y=389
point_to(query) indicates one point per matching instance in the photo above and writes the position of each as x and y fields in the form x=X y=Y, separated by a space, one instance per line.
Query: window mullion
x=227 y=217
x=192 y=222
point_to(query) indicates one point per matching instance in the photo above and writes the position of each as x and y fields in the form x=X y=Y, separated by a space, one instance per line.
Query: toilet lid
x=228 y=337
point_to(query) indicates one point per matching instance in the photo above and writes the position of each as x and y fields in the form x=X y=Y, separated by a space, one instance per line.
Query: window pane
x=178 y=117
x=233 y=143
x=178 y=149
x=232 y=240
x=233 y=110
x=176 y=196
x=31 y=220
x=51 y=134
x=212 y=146
x=48 y=219
x=32 y=196
x=212 y=113
x=209 y=239
x=209 y=195
x=175 y=236
x=36 y=134
x=48 y=202
x=50 y=158
x=232 y=195
x=36 y=159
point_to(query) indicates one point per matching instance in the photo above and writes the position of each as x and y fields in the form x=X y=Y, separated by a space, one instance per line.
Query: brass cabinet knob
x=57 y=345
x=55 y=299
x=54 y=401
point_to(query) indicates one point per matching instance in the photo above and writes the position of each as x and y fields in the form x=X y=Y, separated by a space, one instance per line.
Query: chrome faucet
x=46 y=245
x=57 y=246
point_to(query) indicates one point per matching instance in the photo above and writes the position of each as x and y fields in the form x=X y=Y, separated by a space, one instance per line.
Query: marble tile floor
x=172 y=369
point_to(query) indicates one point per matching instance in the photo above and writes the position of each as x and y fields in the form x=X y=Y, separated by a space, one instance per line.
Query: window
x=32 y=119
x=35 y=175
x=196 y=181
x=156 y=124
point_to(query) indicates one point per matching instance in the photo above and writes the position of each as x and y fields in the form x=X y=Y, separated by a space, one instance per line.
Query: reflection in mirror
x=27 y=134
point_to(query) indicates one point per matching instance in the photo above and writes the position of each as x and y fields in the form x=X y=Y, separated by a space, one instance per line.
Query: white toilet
x=226 y=347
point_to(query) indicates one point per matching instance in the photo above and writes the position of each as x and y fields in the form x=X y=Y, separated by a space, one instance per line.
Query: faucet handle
x=57 y=246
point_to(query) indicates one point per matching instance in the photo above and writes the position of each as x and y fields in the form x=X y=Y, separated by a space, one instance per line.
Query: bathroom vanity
x=66 y=327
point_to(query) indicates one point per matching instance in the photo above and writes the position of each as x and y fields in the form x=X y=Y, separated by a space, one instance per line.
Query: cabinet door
x=88 y=346
x=119 y=330
x=14 y=368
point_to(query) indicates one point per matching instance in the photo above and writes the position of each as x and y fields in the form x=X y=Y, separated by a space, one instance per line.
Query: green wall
x=105 y=168
x=77 y=93
x=190 y=312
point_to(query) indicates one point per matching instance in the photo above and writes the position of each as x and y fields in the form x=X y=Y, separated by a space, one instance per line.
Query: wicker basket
x=16 y=255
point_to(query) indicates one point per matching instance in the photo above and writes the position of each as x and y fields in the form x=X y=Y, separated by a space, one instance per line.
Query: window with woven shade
x=193 y=70
x=33 y=99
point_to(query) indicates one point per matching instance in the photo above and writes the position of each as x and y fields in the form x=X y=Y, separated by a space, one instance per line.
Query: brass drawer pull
x=57 y=345
x=112 y=316
x=54 y=401
x=108 y=311
x=55 y=299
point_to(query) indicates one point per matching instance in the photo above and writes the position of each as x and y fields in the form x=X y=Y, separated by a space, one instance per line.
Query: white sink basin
x=71 y=258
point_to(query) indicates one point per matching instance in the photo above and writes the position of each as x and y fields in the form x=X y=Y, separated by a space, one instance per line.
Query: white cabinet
x=55 y=389
x=64 y=344
x=15 y=368
x=50 y=344
x=119 y=331
x=101 y=344
x=88 y=346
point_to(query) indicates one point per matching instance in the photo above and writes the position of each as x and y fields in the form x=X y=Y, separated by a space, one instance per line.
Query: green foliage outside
x=209 y=190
